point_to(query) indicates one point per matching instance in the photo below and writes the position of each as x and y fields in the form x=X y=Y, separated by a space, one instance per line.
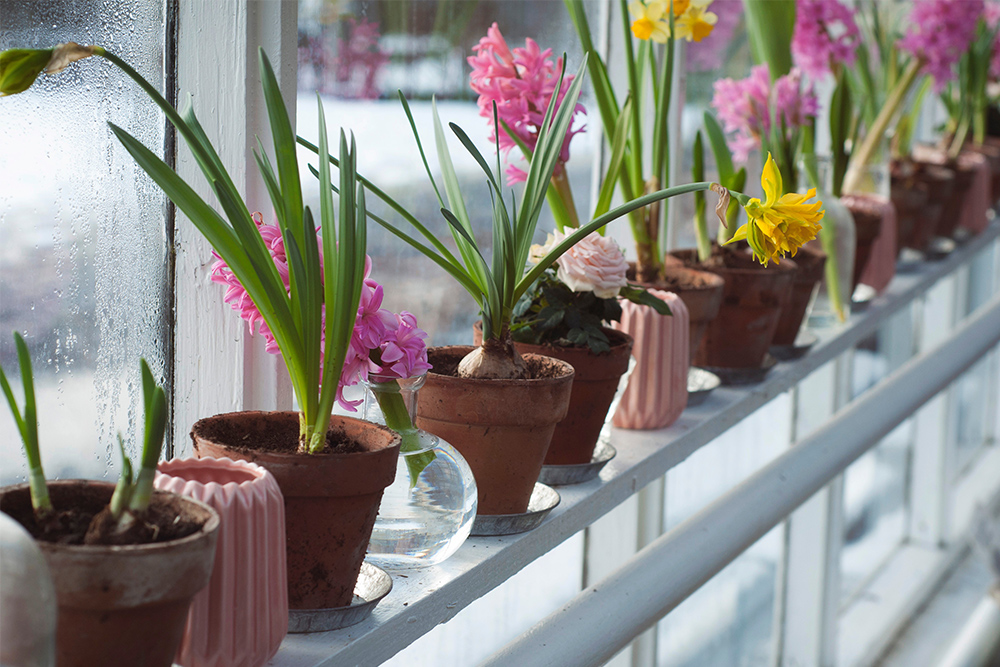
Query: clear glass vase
x=427 y=512
x=837 y=239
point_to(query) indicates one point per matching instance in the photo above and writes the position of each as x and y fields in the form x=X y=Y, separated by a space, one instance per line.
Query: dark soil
x=445 y=362
x=163 y=521
x=248 y=435
x=674 y=277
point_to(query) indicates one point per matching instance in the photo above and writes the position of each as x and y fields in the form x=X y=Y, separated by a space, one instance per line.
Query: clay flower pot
x=241 y=617
x=700 y=291
x=656 y=394
x=881 y=266
x=977 y=197
x=811 y=264
x=938 y=183
x=964 y=171
x=595 y=382
x=121 y=605
x=868 y=212
x=502 y=427
x=909 y=199
x=990 y=149
x=331 y=498
x=752 y=300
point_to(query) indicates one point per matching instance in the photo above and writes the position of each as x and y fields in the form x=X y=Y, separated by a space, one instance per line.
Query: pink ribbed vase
x=240 y=618
x=881 y=266
x=977 y=201
x=657 y=389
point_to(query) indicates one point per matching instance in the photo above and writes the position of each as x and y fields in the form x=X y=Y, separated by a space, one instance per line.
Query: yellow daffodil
x=680 y=6
x=649 y=21
x=696 y=22
x=782 y=223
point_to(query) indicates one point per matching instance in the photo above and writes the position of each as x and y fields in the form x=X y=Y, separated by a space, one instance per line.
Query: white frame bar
x=605 y=617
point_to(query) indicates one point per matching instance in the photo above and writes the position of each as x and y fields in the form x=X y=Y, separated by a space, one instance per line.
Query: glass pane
x=358 y=54
x=83 y=269
x=729 y=621
x=972 y=395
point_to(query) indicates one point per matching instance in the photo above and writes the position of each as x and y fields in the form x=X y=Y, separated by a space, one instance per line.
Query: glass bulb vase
x=427 y=512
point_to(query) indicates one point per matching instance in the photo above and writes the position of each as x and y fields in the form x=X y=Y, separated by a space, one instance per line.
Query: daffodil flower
x=781 y=224
x=649 y=21
x=696 y=22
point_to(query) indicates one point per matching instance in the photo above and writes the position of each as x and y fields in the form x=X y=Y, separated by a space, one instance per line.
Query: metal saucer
x=738 y=376
x=804 y=341
x=373 y=584
x=862 y=297
x=544 y=499
x=701 y=383
x=940 y=247
x=577 y=473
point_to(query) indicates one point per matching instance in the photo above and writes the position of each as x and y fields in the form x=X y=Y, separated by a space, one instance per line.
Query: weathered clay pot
x=595 y=382
x=656 y=394
x=811 y=264
x=121 y=605
x=331 y=498
x=938 y=183
x=240 y=618
x=990 y=149
x=964 y=172
x=977 y=198
x=752 y=301
x=909 y=199
x=881 y=266
x=502 y=427
x=867 y=211
x=700 y=291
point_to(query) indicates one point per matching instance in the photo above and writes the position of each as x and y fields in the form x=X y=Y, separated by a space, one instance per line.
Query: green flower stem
x=876 y=132
x=561 y=185
x=397 y=417
x=828 y=237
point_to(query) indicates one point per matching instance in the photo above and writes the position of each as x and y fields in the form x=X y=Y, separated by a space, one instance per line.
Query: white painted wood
x=650 y=527
x=433 y=595
x=606 y=616
x=214 y=358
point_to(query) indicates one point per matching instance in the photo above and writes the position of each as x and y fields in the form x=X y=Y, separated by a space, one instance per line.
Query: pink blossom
x=940 y=32
x=521 y=83
x=825 y=36
x=794 y=106
x=397 y=338
x=708 y=54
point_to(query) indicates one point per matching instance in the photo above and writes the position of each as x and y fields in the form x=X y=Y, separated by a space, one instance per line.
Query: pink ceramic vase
x=977 y=201
x=881 y=266
x=240 y=618
x=657 y=389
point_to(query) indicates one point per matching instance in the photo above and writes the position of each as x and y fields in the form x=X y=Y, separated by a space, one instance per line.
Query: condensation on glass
x=357 y=55
x=83 y=260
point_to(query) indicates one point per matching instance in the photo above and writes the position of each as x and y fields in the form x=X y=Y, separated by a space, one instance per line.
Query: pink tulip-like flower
x=400 y=343
x=940 y=32
x=595 y=264
x=825 y=36
x=749 y=108
x=521 y=83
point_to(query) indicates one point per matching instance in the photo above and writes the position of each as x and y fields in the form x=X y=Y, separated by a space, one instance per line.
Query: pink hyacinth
x=991 y=13
x=709 y=53
x=826 y=36
x=398 y=340
x=748 y=108
x=521 y=83
x=940 y=32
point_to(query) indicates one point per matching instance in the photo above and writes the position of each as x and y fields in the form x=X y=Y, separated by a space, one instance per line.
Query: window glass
x=357 y=55
x=83 y=263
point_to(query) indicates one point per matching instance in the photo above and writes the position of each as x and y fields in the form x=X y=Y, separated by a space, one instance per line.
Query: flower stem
x=397 y=417
x=560 y=181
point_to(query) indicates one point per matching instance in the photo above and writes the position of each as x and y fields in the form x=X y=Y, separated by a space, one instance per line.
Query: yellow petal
x=770 y=180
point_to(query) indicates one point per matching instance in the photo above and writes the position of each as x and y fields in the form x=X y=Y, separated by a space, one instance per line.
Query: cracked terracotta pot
x=121 y=605
x=331 y=498
x=502 y=427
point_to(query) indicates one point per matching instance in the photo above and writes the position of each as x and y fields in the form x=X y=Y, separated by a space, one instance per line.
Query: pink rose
x=595 y=264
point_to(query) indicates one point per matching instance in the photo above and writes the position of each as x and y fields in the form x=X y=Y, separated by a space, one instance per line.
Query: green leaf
x=644 y=298
x=619 y=142
x=720 y=149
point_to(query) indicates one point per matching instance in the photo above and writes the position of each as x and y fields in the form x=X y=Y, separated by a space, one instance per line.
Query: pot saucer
x=373 y=584
x=940 y=247
x=701 y=383
x=577 y=473
x=738 y=376
x=804 y=341
x=862 y=297
x=543 y=500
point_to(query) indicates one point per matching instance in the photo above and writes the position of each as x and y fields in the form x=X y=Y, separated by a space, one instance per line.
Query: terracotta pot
x=964 y=172
x=331 y=498
x=939 y=183
x=990 y=149
x=752 y=300
x=241 y=617
x=881 y=266
x=595 y=382
x=977 y=198
x=501 y=427
x=121 y=605
x=909 y=199
x=868 y=213
x=656 y=394
x=811 y=264
x=700 y=291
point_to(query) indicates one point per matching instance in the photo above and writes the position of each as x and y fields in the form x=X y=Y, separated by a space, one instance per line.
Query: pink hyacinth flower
x=521 y=83
x=826 y=36
x=940 y=33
